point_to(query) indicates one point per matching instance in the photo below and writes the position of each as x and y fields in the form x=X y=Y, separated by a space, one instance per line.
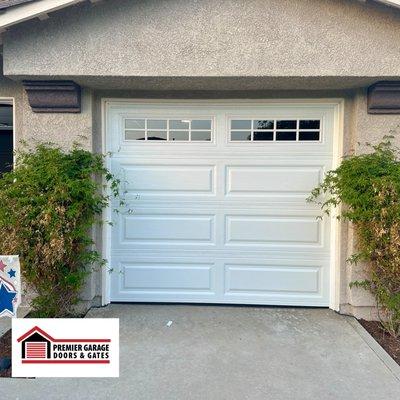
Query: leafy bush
x=49 y=203
x=368 y=186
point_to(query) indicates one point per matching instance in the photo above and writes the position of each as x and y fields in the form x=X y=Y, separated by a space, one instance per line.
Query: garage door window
x=294 y=130
x=169 y=130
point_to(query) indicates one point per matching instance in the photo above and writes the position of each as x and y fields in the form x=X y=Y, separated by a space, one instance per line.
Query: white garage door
x=217 y=209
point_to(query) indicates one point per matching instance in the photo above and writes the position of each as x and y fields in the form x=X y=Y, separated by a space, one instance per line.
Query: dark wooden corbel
x=384 y=98
x=53 y=96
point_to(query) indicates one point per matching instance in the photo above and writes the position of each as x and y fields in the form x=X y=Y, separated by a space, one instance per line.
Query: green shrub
x=368 y=187
x=49 y=203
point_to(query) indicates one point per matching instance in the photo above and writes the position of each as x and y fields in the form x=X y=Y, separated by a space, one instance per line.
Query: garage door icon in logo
x=38 y=347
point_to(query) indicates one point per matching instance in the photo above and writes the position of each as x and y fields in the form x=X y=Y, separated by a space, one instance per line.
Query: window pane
x=285 y=135
x=263 y=124
x=309 y=124
x=308 y=135
x=201 y=136
x=201 y=124
x=179 y=135
x=263 y=136
x=134 y=123
x=134 y=135
x=286 y=124
x=241 y=124
x=240 y=135
x=156 y=135
x=156 y=124
x=179 y=124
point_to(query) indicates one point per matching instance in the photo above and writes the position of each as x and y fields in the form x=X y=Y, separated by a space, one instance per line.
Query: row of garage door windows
x=241 y=130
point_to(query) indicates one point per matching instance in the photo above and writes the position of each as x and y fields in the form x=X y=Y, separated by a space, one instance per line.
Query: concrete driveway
x=219 y=352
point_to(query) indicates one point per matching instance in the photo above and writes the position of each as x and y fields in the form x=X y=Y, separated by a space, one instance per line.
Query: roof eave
x=393 y=3
x=34 y=9
x=12 y=3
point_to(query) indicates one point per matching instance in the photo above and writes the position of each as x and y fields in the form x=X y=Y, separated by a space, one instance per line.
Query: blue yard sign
x=10 y=286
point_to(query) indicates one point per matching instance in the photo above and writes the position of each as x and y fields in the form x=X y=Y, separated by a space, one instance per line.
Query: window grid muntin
x=169 y=129
x=275 y=129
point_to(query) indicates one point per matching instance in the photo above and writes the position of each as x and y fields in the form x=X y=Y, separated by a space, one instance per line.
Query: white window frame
x=168 y=130
x=275 y=130
x=11 y=101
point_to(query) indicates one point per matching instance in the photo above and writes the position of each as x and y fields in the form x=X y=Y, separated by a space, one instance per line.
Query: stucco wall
x=363 y=128
x=184 y=48
x=133 y=42
x=62 y=129
x=10 y=90
x=67 y=128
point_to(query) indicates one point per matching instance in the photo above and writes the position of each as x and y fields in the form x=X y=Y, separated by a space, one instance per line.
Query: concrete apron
x=221 y=352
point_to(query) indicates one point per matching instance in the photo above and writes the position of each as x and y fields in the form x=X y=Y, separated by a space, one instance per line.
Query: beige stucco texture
x=62 y=129
x=362 y=128
x=333 y=44
x=209 y=49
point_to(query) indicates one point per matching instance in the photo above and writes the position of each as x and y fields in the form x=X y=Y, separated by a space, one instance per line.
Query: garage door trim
x=337 y=106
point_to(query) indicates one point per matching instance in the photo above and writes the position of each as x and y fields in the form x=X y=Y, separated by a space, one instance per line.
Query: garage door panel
x=260 y=281
x=167 y=228
x=297 y=282
x=282 y=230
x=259 y=228
x=264 y=278
x=175 y=277
x=270 y=180
x=159 y=180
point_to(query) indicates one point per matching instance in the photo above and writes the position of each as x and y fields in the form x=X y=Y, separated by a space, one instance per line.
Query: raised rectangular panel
x=269 y=278
x=167 y=228
x=255 y=230
x=169 y=179
x=264 y=180
x=167 y=277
